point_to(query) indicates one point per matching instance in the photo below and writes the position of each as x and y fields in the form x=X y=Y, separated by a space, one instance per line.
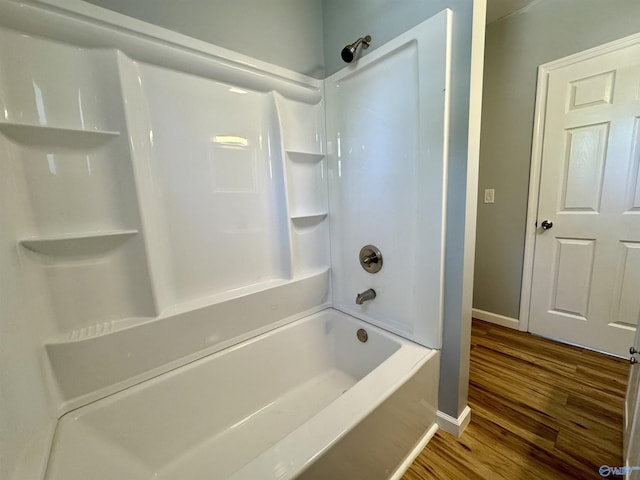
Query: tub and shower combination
x=225 y=273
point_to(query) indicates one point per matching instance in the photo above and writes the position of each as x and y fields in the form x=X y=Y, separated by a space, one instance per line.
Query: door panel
x=626 y=305
x=585 y=161
x=574 y=266
x=634 y=191
x=591 y=91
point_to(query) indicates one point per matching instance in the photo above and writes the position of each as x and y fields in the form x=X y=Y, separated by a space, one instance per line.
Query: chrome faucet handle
x=370 y=258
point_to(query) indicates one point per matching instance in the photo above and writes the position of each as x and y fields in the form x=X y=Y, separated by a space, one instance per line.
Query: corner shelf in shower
x=304 y=157
x=81 y=244
x=317 y=216
x=70 y=138
x=306 y=221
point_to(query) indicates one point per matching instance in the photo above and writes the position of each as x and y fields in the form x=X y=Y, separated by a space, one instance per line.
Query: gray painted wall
x=287 y=33
x=515 y=46
x=343 y=23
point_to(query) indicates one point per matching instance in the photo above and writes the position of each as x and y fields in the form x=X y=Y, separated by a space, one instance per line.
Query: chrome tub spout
x=365 y=296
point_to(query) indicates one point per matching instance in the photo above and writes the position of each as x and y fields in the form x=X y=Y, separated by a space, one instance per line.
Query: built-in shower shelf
x=304 y=157
x=317 y=216
x=45 y=136
x=309 y=221
x=82 y=244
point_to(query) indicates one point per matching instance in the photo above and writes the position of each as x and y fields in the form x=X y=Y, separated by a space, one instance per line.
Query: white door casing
x=585 y=276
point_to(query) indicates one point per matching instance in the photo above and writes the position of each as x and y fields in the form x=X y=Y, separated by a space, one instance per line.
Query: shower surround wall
x=136 y=200
x=164 y=201
x=210 y=174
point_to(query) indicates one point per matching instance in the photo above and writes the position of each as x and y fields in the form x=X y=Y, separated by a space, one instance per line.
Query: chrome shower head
x=349 y=52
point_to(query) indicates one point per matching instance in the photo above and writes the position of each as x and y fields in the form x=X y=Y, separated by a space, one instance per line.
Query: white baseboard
x=413 y=454
x=496 y=318
x=454 y=426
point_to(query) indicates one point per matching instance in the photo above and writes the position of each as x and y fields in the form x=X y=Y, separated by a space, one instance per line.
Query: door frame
x=536 y=159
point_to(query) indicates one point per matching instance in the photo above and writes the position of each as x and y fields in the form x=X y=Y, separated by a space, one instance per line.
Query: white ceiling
x=499 y=8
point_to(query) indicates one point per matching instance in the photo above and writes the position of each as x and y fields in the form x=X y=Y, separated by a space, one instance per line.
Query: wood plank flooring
x=539 y=410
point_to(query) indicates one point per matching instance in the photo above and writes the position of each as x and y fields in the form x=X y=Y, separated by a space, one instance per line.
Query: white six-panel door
x=586 y=272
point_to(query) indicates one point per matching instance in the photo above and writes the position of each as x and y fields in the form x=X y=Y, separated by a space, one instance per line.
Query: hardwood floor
x=539 y=410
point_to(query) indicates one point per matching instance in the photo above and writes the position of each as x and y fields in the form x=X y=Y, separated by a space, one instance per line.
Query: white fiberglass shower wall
x=387 y=122
x=138 y=201
x=164 y=199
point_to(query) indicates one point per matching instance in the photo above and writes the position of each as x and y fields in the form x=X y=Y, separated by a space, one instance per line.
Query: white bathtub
x=306 y=400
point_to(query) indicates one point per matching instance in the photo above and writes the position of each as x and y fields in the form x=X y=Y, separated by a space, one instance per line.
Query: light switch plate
x=489 y=195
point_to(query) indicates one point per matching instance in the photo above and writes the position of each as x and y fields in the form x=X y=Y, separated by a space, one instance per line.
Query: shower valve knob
x=370 y=258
